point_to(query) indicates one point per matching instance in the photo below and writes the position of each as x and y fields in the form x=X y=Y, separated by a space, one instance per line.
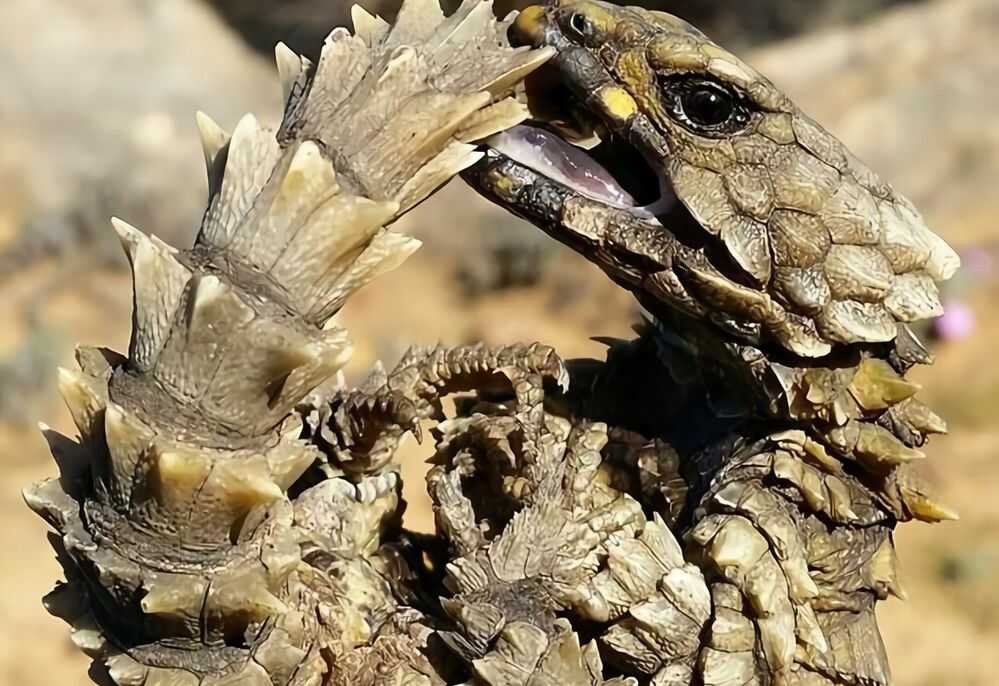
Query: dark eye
x=705 y=106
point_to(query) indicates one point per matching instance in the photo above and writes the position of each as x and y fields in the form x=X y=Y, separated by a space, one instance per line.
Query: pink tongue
x=555 y=159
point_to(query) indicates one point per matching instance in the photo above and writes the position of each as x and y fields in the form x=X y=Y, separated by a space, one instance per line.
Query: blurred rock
x=25 y=371
x=915 y=95
x=510 y=260
x=98 y=111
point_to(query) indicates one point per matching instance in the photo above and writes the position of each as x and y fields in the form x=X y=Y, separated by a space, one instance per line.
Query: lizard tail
x=204 y=537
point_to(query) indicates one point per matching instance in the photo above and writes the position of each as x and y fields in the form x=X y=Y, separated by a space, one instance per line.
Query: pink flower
x=957 y=322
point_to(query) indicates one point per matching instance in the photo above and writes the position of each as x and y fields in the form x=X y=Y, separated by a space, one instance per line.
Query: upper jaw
x=577 y=105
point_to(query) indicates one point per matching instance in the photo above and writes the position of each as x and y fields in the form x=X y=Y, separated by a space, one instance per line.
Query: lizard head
x=695 y=182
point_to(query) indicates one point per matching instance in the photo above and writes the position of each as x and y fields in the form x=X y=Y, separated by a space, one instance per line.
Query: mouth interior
x=612 y=172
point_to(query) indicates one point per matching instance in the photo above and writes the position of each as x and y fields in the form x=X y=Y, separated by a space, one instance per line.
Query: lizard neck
x=855 y=406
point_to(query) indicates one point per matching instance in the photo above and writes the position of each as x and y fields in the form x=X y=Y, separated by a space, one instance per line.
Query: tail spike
x=126 y=671
x=84 y=397
x=453 y=159
x=328 y=243
x=179 y=475
x=876 y=386
x=86 y=635
x=265 y=380
x=128 y=442
x=924 y=508
x=49 y=501
x=243 y=485
x=158 y=282
x=247 y=595
x=467 y=22
x=174 y=594
x=368 y=27
x=880 y=450
x=386 y=251
x=917 y=500
x=214 y=316
x=920 y=417
x=840 y=502
x=252 y=153
x=882 y=571
x=307 y=183
x=289 y=66
x=310 y=174
x=214 y=301
x=527 y=63
x=422 y=141
x=213 y=139
x=67 y=601
x=493 y=119
x=417 y=20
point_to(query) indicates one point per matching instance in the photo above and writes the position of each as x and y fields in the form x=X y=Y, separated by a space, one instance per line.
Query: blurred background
x=97 y=118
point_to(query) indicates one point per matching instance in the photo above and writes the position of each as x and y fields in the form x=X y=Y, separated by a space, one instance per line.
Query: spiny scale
x=290 y=69
x=188 y=446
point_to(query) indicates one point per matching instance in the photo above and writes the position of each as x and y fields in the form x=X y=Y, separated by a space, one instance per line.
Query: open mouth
x=610 y=172
x=566 y=144
x=602 y=168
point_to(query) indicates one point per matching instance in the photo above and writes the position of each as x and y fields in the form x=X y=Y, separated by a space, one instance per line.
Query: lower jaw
x=593 y=229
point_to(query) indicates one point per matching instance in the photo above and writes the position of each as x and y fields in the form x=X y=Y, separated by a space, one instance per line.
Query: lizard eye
x=705 y=106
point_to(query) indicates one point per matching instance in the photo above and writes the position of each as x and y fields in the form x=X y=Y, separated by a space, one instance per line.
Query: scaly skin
x=778 y=288
x=205 y=535
x=231 y=515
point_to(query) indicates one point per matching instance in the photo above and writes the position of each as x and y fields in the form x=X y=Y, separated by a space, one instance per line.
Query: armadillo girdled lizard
x=778 y=273
x=711 y=505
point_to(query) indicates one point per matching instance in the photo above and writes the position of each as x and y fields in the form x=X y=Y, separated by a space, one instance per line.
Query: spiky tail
x=186 y=560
